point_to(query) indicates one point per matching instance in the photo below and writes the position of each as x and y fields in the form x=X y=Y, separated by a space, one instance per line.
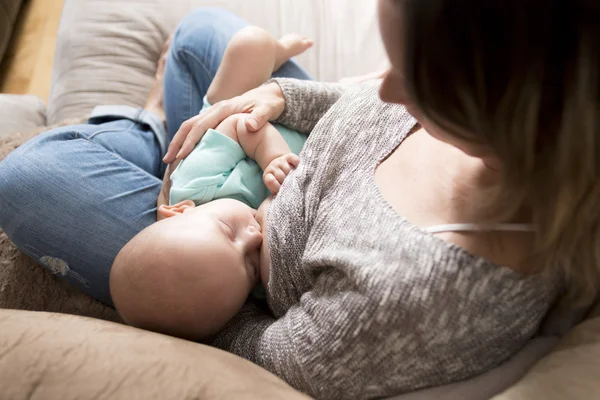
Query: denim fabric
x=72 y=197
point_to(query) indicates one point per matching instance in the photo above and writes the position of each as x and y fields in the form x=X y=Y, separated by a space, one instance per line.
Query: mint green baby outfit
x=218 y=168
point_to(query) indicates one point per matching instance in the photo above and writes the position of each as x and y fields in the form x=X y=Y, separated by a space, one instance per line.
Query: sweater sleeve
x=312 y=347
x=306 y=102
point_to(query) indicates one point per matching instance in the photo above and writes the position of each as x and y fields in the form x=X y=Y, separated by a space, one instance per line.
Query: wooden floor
x=27 y=66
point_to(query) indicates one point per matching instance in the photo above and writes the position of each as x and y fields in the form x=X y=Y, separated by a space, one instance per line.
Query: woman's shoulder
x=361 y=104
x=358 y=128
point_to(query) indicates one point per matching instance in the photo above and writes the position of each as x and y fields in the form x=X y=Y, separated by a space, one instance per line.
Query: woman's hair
x=523 y=77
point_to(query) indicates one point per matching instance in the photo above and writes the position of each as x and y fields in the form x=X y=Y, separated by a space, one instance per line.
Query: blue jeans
x=72 y=197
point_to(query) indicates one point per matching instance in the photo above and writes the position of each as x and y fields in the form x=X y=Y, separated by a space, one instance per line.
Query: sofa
x=57 y=343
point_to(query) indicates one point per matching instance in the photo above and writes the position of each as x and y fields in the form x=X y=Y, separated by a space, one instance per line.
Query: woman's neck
x=483 y=172
x=480 y=179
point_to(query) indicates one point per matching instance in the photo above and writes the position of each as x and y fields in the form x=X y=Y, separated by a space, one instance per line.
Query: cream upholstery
x=21 y=113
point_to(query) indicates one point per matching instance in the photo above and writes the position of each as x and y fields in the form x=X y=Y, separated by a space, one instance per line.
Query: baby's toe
x=294 y=44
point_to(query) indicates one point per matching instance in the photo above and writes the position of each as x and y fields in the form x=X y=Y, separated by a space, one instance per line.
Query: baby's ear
x=166 y=211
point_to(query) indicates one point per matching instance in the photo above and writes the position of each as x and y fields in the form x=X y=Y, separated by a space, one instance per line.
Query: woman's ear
x=166 y=211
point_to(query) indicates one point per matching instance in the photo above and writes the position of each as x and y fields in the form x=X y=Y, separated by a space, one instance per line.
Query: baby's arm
x=251 y=57
x=266 y=146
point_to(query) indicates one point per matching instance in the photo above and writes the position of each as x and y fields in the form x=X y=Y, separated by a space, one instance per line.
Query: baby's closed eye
x=228 y=230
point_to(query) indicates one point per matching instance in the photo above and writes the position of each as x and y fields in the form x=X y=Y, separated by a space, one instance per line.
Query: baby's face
x=189 y=274
x=232 y=238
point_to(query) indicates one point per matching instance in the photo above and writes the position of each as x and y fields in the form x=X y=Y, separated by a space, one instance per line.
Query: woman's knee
x=25 y=173
x=39 y=173
x=28 y=161
x=214 y=18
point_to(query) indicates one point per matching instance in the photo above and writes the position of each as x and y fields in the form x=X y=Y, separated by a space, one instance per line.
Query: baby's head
x=188 y=274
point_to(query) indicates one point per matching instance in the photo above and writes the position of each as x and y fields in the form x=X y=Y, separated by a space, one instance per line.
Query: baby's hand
x=278 y=169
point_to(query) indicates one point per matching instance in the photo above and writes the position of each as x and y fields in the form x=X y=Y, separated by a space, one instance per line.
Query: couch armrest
x=19 y=113
x=56 y=356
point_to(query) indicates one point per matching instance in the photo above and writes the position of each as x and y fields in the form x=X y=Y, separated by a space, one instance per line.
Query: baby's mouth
x=255 y=265
x=258 y=219
x=260 y=213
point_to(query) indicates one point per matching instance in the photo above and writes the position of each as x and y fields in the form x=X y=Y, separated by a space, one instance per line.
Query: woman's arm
x=306 y=102
x=263 y=104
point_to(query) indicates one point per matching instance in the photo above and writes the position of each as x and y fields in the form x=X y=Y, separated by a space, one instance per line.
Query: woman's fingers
x=205 y=121
x=258 y=118
x=198 y=130
x=179 y=139
x=268 y=105
x=192 y=130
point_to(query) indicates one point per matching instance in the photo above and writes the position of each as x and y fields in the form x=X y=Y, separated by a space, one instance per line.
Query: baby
x=189 y=273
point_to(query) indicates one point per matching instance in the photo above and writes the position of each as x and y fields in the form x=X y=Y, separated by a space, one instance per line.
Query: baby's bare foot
x=290 y=46
x=154 y=104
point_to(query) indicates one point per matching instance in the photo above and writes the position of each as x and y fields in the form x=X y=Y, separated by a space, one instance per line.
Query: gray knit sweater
x=365 y=304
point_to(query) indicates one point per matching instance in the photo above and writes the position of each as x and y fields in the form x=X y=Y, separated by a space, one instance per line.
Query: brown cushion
x=23 y=283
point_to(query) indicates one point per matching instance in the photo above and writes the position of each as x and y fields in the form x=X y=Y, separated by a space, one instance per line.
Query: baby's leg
x=249 y=60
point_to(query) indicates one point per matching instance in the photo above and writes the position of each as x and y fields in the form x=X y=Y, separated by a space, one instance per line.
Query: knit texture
x=364 y=303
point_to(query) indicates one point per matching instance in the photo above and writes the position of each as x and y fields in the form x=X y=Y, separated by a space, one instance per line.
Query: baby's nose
x=253 y=237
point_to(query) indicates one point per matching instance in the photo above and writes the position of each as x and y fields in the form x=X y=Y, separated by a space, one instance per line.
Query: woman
x=403 y=255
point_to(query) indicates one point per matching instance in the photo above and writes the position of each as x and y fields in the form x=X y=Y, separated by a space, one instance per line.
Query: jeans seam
x=190 y=54
x=138 y=170
x=183 y=49
x=190 y=77
x=132 y=124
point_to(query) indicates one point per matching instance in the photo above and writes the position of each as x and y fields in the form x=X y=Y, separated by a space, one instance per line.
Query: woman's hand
x=265 y=103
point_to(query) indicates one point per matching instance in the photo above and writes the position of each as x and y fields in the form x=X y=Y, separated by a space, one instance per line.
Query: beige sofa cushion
x=21 y=113
x=571 y=371
x=107 y=49
x=60 y=357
